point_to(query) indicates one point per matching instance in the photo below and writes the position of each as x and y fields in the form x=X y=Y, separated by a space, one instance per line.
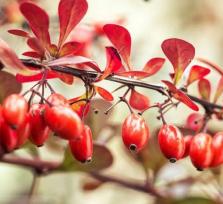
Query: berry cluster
x=20 y=121
x=203 y=149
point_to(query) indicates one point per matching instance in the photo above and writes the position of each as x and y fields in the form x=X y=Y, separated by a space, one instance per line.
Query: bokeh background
x=199 y=22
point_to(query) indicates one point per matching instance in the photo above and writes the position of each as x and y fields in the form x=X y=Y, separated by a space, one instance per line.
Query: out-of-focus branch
x=43 y=167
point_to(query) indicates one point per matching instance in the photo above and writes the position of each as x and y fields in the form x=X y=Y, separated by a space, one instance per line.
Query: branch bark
x=123 y=80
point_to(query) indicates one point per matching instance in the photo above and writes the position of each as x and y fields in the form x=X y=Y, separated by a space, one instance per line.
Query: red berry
x=23 y=132
x=14 y=109
x=9 y=137
x=171 y=142
x=82 y=149
x=56 y=99
x=64 y=122
x=187 y=140
x=195 y=121
x=217 y=148
x=1 y=116
x=135 y=132
x=39 y=129
x=201 y=150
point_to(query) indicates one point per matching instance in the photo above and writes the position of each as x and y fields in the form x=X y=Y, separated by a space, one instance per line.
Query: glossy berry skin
x=82 y=149
x=23 y=132
x=201 y=151
x=135 y=132
x=14 y=109
x=56 y=99
x=195 y=121
x=171 y=142
x=1 y=116
x=64 y=122
x=39 y=132
x=187 y=140
x=8 y=137
x=217 y=148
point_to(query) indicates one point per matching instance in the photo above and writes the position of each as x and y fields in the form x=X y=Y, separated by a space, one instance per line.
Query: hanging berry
x=201 y=151
x=217 y=148
x=135 y=132
x=14 y=109
x=82 y=149
x=39 y=129
x=171 y=142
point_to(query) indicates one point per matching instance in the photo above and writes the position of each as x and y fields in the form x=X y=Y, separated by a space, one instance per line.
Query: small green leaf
x=8 y=85
x=102 y=158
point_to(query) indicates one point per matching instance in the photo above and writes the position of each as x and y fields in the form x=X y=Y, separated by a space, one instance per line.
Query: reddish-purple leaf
x=70 y=14
x=32 y=54
x=38 y=21
x=113 y=62
x=35 y=77
x=18 y=32
x=153 y=66
x=34 y=44
x=70 y=48
x=121 y=39
x=212 y=65
x=104 y=93
x=180 y=53
x=219 y=90
x=180 y=96
x=138 y=101
x=9 y=58
x=196 y=73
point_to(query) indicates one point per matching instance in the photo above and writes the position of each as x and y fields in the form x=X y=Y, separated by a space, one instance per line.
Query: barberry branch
x=123 y=80
x=45 y=167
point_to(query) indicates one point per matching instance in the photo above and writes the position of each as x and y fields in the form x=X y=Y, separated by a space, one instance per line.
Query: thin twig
x=123 y=80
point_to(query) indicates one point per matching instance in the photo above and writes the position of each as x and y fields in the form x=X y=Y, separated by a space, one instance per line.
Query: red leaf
x=113 y=62
x=196 y=73
x=93 y=65
x=212 y=65
x=204 y=88
x=32 y=54
x=153 y=66
x=9 y=58
x=180 y=53
x=104 y=93
x=38 y=21
x=138 y=74
x=70 y=48
x=66 y=78
x=121 y=39
x=70 y=14
x=35 y=77
x=219 y=90
x=138 y=101
x=69 y=60
x=20 y=33
x=34 y=44
x=180 y=96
